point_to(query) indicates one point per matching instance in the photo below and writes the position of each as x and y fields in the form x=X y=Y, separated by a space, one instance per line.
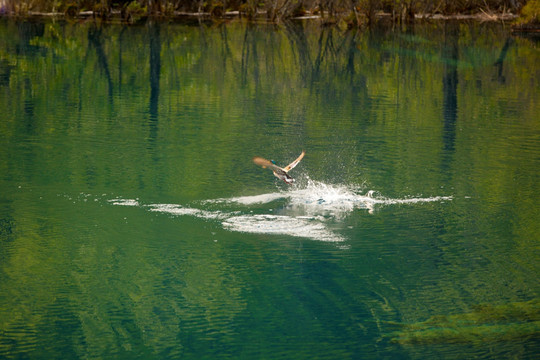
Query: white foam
x=414 y=200
x=282 y=225
x=179 y=210
x=124 y=202
x=340 y=200
x=257 y=199
x=316 y=198
x=262 y=224
x=305 y=212
x=326 y=199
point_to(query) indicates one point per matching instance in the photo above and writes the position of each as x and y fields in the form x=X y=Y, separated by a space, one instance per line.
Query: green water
x=133 y=223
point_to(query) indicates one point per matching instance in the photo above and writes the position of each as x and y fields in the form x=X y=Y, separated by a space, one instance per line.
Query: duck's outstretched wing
x=295 y=162
x=267 y=164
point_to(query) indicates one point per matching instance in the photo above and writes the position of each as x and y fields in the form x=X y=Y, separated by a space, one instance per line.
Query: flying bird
x=280 y=173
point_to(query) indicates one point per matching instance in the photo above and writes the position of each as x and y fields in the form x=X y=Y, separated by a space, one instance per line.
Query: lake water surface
x=133 y=223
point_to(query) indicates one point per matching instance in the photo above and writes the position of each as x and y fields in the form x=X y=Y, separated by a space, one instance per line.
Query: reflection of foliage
x=520 y=320
x=293 y=61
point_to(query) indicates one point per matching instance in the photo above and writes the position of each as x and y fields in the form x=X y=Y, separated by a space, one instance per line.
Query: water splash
x=318 y=198
x=301 y=211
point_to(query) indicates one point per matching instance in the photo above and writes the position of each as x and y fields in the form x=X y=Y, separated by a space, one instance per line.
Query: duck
x=279 y=172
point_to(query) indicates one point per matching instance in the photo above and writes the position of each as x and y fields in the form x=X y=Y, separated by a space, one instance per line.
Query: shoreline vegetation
x=523 y=14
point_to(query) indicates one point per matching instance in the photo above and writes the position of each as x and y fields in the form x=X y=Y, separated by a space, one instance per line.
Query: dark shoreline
x=115 y=17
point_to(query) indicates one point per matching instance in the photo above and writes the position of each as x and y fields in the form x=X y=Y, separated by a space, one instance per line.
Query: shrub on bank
x=530 y=14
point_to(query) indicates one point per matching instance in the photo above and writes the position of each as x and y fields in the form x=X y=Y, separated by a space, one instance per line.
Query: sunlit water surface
x=133 y=223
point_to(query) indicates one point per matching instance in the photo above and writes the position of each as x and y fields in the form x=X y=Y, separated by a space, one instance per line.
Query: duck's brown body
x=280 y=173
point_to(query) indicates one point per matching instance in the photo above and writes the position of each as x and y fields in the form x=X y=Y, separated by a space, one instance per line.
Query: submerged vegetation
x=350 y=12
x=519 y=320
